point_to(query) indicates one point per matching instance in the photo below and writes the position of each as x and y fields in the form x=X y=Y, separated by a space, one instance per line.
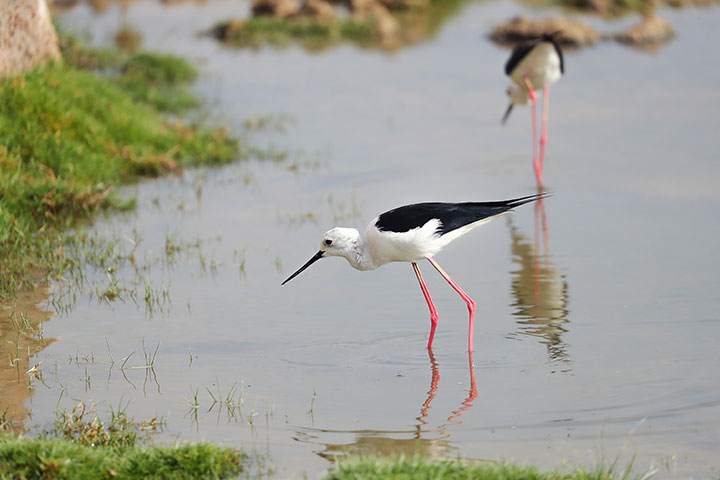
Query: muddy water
x=597 y=312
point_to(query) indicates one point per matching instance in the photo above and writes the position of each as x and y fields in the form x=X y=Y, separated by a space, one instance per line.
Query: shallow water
x=597 y=313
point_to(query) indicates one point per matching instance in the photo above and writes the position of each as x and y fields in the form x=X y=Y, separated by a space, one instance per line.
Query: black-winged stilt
x=411 y=233
x=534 y=65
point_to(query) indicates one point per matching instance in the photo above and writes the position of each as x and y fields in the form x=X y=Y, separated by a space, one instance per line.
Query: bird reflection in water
x=456 y=414
x=540 y=291
x=416 y=441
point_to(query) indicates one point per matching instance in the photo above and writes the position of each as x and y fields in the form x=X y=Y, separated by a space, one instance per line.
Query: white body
x=376 y=247
x=541 y=67
x=399 y=235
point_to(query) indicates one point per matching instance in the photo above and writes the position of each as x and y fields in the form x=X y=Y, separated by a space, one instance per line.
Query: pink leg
x=468 y=300
x=433 y=311
x=543 y=135
x=536 y=162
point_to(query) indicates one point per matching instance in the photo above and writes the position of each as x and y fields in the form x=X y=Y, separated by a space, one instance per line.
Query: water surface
x=597 y=314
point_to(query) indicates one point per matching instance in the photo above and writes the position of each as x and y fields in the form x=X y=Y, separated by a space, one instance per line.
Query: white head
x=518 y=96
x=336 y=242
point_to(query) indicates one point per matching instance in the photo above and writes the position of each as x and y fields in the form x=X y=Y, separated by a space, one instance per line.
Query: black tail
x=450 y=215
x=467 y=213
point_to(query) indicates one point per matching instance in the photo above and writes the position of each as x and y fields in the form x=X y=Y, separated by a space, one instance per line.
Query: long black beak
x=507 y=113
x=314 y=259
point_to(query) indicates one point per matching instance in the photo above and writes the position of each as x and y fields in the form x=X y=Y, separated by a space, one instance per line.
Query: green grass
x=69 y=137
x=157 y=79
x=81 y=446
x=160 y=80
x=311 y=33
x=415 y=25
x=421 y=468
x=57 y=458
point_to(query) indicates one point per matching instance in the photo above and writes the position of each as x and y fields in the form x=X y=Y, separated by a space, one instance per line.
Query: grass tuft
x=423 y=468
x=69 y=136
x=56 y=458
x=81 y=446
x=160 y=80
x=281 y=32
x=415 y=22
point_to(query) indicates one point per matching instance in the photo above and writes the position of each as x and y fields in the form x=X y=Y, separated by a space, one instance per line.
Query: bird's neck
x=360 y=256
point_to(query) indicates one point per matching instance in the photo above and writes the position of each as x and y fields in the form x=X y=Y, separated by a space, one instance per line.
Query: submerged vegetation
x=68 y=136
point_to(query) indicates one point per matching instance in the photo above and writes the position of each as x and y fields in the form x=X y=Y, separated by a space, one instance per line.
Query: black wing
x=519 y=52
x=451 y=215
x=522 y=49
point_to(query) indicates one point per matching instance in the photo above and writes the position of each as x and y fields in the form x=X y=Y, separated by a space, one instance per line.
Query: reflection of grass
x=424 y=468
x=67 y=136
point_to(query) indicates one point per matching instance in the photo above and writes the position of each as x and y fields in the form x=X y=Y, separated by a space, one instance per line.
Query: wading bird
x=412 y=233
x=534 y=65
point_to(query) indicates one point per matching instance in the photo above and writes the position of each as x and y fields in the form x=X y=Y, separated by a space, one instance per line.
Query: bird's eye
x=327 y=242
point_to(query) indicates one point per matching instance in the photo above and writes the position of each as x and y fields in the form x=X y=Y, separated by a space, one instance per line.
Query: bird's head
x=339 y=241
x=336 y=242
x=517 y=96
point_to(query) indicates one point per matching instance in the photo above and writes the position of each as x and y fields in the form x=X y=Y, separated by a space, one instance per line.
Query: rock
x=274 y=8
x=27 y=36
x=651 y=31
x=567 y=31
x=319 y=10
x=360 y=8
x=387 y=26
x=224 y=31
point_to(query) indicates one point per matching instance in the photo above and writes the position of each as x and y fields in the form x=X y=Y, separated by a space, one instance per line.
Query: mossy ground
x=69 y=136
